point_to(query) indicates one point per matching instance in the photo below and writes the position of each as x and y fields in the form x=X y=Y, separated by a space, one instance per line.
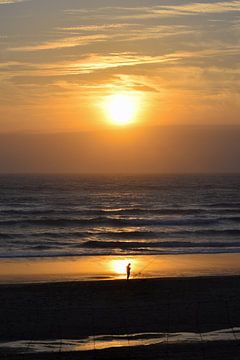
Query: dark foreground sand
x=81 y=309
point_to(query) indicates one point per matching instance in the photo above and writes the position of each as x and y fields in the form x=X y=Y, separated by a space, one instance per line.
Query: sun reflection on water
x=109 y=268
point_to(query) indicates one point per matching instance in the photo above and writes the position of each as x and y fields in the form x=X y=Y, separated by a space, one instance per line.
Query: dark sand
x=80 y=309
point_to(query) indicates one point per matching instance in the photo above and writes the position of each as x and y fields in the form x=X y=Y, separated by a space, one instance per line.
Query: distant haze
x=173 y=149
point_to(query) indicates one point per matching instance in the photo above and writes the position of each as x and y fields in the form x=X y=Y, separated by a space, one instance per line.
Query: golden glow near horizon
x=121 y=108
x=119 y=267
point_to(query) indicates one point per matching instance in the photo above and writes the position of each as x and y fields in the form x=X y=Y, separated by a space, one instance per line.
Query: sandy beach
x=169 y=311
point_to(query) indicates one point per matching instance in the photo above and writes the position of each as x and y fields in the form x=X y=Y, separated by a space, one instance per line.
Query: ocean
x=55 y=216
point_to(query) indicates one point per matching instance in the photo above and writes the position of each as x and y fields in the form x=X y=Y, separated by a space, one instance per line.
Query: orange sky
x=171 y=149
x=67 y=65
x=61 y=59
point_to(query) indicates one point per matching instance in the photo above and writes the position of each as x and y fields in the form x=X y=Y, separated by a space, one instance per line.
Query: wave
x=120 y=211
x=164 y=234
x=160 y=211
x=225 y=205
x=233 y=219
x=73 y=236
x=109 y=341
x=43 y=247
x=26 y=212
x=109 y=221
x=164 y=244
x=61 y=234
x=227 y=211
x=8 y=236
x=93 y=215
x=211 y=232
x=63 y=253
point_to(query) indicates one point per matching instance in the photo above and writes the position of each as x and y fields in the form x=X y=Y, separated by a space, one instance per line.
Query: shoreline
x=112 y=281
x=107 y=268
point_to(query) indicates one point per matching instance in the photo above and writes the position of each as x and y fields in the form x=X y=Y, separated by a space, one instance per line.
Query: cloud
x=8 y=65
x=96 y=28
x=156 y=32
x=148 y=12
x=131 y=32
x=4 y=2
x=96 y=62
x=194 y=8
x=114 y=63
x=214 y=7
x=87 y=65
x=62 y=43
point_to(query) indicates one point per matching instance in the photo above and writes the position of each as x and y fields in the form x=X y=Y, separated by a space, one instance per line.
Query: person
x=128 y=271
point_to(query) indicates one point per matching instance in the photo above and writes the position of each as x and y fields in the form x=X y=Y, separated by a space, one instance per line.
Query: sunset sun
x=121 y=109
x=119 y=266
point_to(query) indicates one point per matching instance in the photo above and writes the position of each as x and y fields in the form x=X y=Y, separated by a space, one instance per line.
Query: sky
x=62 y=60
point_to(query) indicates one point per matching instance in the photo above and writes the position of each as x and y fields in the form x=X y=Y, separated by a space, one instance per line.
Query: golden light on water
x=121 y=108
x=105 y=267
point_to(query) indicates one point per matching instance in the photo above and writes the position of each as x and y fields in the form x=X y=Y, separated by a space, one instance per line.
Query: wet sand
x=78 y=310
x=99 y=267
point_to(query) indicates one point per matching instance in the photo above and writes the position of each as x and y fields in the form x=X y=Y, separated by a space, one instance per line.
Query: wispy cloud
x=156 y=32
x=145 y=12
x=3 y=2
x=116 y=82
x=85 y=35
x=87 y=65
x=203 y=7
x=67 y=42
x=9 y=64
x=113 y=63
x=96 y=62
x=130 y=32
x=97 y=28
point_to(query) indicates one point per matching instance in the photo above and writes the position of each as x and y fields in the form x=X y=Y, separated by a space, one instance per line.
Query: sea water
x=63 y=215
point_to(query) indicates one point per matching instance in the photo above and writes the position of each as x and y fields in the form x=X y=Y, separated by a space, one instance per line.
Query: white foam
x=101 y=342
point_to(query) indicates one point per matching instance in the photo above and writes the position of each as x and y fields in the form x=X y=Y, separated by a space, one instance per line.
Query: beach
x=170 y=318
x=66 y=242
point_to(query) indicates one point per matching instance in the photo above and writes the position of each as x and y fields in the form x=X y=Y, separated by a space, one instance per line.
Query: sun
x=121 y=108
x=119 y=266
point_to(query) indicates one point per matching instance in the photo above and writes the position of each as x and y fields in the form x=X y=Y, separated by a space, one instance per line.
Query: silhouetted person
x=128 y=271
